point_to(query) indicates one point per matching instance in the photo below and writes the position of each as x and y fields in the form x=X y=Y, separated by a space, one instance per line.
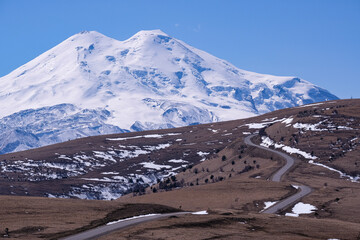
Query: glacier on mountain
x=91 y=84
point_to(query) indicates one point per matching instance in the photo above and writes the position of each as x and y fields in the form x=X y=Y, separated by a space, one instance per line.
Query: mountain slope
x=324 y=136
x=148 y=81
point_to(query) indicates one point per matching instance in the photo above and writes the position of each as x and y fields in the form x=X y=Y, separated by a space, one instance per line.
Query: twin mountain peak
x=91 y=84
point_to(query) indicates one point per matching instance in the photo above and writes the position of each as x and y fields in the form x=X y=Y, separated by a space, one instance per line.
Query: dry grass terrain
x=239 y=226
x=242 y=195
x=34 y=217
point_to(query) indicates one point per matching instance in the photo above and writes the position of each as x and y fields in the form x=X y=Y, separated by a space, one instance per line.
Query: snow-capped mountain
x=91 y=84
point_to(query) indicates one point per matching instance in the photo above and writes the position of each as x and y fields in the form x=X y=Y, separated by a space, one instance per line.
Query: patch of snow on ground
x=64 y=157
x=267 y=142
x=352 y=179
x=309 y=127
x=269 y=204
x=295 y=186
x=152 y=165
x=345 y=128
x=131 y=218
x=298 y=151
x=202 y=154
x=287 y=121
x=99 y=179
x=246 y=133
x=262 y=125
x=200 y=213
x=158 y=147
x=213 y=130
x=269 y=119
x=301 y=208
x=178 y=161
x=309 y=105
x=177 y=168
x=122 y=139
x=144 y=136
x=104 y=156
x=109 y=173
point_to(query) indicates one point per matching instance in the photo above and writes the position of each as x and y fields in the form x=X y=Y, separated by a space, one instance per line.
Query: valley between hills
x=207 y=167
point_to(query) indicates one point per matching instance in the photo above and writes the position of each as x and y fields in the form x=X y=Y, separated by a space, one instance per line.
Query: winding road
x=103 y=230
x=304 y=190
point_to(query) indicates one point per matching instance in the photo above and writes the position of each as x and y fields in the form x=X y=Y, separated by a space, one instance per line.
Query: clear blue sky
x=317 y=40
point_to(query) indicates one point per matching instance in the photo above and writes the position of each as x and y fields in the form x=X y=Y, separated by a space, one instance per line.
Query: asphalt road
x=103 y=230
x=304 y=190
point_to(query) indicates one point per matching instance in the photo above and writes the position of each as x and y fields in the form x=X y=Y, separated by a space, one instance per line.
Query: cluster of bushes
x=170 y=183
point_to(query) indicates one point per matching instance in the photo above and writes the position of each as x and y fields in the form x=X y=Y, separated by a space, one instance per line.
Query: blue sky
x=317 y=40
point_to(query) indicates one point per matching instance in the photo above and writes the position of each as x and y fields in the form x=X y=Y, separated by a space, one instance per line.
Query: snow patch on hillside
x=301 y=208
x=267 y=142
x=342 y=175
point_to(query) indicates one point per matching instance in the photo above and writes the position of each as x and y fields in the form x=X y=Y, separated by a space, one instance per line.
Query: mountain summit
x=91 y=84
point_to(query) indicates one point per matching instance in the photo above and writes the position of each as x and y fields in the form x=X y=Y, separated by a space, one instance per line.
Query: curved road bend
x=103 y=230
x=304 y=190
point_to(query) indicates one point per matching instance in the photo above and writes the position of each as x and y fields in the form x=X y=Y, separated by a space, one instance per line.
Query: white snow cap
x=149 y=81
